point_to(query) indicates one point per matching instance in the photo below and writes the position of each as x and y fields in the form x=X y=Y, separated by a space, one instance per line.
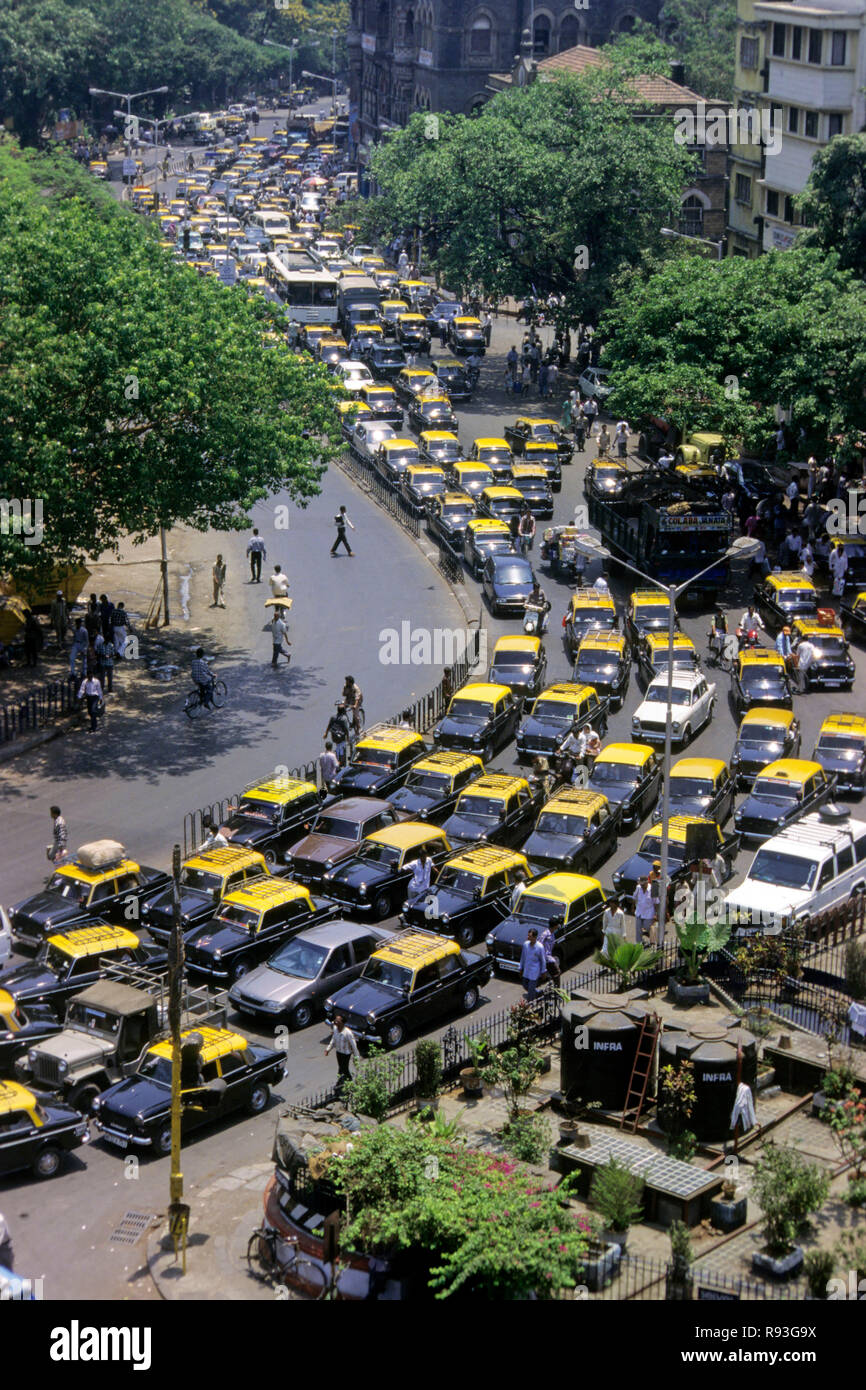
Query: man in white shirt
x=345 y=1044
x=213 y=836
x=419 y=883
x=518 y=890
x=620 y=437
x=805 y=657
x=612 y=922
x=279 y=583
x=644 y=909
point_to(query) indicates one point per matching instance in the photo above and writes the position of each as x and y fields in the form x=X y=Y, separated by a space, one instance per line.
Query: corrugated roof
x=656 y=90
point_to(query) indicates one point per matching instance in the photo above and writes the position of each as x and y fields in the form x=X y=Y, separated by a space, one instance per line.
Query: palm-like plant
x=698 y=940
x=625 y=958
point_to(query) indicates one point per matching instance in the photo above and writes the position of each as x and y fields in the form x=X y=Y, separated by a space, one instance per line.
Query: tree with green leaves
x=833 y=203
x=703 y=34
x=135 y=394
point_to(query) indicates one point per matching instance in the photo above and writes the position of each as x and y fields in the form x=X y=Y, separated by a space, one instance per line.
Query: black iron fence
x=365 y=475
x=642 y=1279
x=34 y=709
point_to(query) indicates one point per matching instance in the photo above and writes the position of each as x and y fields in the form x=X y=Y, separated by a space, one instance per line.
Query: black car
x=249 y=923
x=419 y=486
x=448 y=516
x=853 y=616
x=409 y=984
x=481 y=718
x=841 y=750
x=525 y=431
x=782 y=597
x=782 y=793
x=603 y=660
x=269 y=815
x=434 y=784
x=481 y=540
x=23 y=1028
x=685 y=833
x=501 y=503
x=470 y=893
x=385 y=360
x=606 y=478
x=384 y=404
x=453 y=378
x=394 y=456
x=545 y=728
x=430 y=413
x=764 y=736
x=758 y=679
x=231 y=1072
x=576 y=831
x=631 y=785
x=66 y=964
x=833 y=666
x=36 y=1133
x=497 y=809
x=701 y=787
x=412 y=334
x=466 y=335
x=534 y=489
x=539 y=906
x=519 y=664
x=382 y=761
x=74 y=895
x=446 y=309
x=507 y=581
x=374 y=882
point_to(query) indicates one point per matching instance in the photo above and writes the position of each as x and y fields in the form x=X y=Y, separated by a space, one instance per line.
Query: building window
x=480 y=36
x=779 y=40
x=793 y=119
x=748 y=53
x=541 y=36
x=743 y=188
x=772 y=203
x=816 y=45
x=568 y=33
x=790 y=215
x=810 y=125
x=834 y=124
x=796 y=43
x=837 y=48
x=692 y=217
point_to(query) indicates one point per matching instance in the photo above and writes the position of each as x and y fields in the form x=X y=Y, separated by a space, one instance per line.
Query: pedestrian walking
x=543 y=373
x=58 y=617
x=533 y=963
x=838 y=565
x=218 y=574
x=487 y=328
x=419 y=883
x=107 y=663
x=547 y=941
x=91 y=691
x=341 y=521
x=328 y=764
x=511 y=362
x=120 y=629
x=590 y=410
x=552 y=377
x=33 y=639
x=644 y=909
x=257 y=553
x=603 y=442
x=78 y=649
x=338 y=731
x=345 y=1044
x=792 y=492
x=57 y=851
x=621 y=438
x=581 y=425
x=565 y=416
x=612 y=922
x=279 y=635
x=807 y=560
x=106 y=612
x=805 y=655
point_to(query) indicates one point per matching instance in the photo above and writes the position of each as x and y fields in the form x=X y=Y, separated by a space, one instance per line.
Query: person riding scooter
x=537 y=609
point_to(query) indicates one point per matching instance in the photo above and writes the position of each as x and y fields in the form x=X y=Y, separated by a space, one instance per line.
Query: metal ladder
x=640 y=1072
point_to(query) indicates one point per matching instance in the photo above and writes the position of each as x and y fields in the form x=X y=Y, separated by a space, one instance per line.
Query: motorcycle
x=746 y=639
x=535 y=620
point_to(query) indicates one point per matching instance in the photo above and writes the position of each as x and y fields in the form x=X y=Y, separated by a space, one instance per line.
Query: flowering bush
x=481 y=1223
x=848 y=1122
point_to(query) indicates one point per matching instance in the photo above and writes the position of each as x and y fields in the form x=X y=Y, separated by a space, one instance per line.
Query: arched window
x=625 y=24
x=541 y=36
x=692 y=216
x=383 y=21
x=481 y=37
x=568 y=33
x=409 y=26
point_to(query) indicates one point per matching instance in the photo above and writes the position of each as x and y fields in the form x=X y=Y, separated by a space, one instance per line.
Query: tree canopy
x=703 y=34
x=134 y=393
x=716 y=345
x=833 y=203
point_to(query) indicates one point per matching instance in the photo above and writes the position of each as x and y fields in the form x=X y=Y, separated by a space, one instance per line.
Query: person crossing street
x=345 y=1044
x=341 y=521
x=257 y=553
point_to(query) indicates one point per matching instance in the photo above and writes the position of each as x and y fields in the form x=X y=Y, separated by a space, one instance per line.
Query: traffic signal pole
x=178 y=1211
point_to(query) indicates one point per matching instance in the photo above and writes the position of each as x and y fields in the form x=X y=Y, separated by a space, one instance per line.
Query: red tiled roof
x=658 y=91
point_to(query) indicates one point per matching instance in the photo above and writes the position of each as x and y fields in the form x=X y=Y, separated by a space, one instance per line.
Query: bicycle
x=304 y=1273
x=718 y=654
x=194 y=704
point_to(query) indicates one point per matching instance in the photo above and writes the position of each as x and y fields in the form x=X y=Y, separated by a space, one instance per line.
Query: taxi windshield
x=539 y=909
x=512 y=661
x=259 y=810
x=473 y=475
x=658 y=695
x=789 y=597
x=380 y=854
x=851 y=745
x=387 y=972
x=68 y=887
x=200 y=878
x=652 y=844
x=601 y=662
x=471 y=709
x=683 y=656
x=786 y=870
x=239 y=916
x=157 y=1069
x=773 y=789
x=553 y=711
x=299 y=958
x=457 y=508
x=483 y=806
x=340 y=829
x=592 y=611
x=557 y=823
x=762 y=735
x=828 y=643
x=377 y=757
x=494 y=453
x=429 y=781
x=691 y=786
x=615 y=772
x=53 y=958
x=461 y=881
x=428 y=484
x=762 y=675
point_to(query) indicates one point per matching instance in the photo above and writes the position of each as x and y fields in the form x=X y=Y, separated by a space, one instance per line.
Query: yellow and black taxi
x=765 y=735
x=415 y=381
x=629 y=774
x=434 y=783
x=334 y=835
x=448 y=516
x=419 y=484
x=453 y=379
x=430 y=413
x=469 y=893
x=350 y=412
x=411 y=332
x=853 y=616
x=497 y=808
x=204 y=879
x=655 y=650
x=501 y=503
x=385 y=360
x=389 y=312
x=114 y=892
x=525 y=431
x=701 y=787
x=781 y=794
x=603 y=660
x=380 y=763
x=471 y=478
x=648 y=611
x=410 y=983
x=576 y=830
x=759 y=679
x=841 y=750
x=269 y=815
x=589 y=610
x=72 y=960
x=551 y=719
x=367 y=335
x=606 y=478
x=782 y=597
x=465 y=334
x=495 y=453
x=221 y=1071
x=394 y=456
x=383 y=403
x=439 y=446
x=520 y=662
x=572 y=906
x=36 y=1133
x=375 y=880
x=22 y=1028
x=483 y=538
x=481 y=718
x=832 y=667
x=530 y=479
x=332 y=350
x=248 y=924
x=99 y=168
x=507 y=582
x=691 y=839
x=545 y=453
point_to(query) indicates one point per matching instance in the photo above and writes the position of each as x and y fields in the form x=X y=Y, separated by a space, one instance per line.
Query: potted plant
x=625 y=958
x=602 y=1257
x=617 y=1195
x=678 y=1279
x=428 y=1070
x=788 y=1190
x=727 y=1210
x=697 y=940
x=818 y=1267
x=677 y=1100
x=470 y=1076
x=515 y=1068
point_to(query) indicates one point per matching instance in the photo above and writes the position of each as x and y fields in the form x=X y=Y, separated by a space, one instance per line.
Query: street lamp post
x=129 y=98
x=148 y=120
x=718 y=246
x=291 y=49
x=743 y=548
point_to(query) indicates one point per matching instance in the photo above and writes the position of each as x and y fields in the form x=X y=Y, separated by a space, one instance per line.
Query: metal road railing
x=34 y=709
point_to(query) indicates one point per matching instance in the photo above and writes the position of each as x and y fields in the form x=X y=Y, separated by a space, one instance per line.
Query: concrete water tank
x=712 y=1050
x=599 y=1039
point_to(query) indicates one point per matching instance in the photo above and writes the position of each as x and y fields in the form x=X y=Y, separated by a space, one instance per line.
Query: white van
x=812 y=865
x=270 y=222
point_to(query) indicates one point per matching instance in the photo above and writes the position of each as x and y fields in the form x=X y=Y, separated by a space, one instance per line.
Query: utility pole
x=163 y=565
x=178 y=1211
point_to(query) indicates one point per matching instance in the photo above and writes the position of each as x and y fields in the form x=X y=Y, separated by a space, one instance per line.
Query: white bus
x=309 y=294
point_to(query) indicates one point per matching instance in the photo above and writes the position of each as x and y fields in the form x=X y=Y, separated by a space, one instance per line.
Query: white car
x=326 y=250
x=692 y=700
x=357 y=254
x=593 y=382
x=353 y=375
x=367 y=436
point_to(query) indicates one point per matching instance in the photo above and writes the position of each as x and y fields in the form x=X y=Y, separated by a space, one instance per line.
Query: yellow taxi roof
x=468 y=319
x=647 y=596
x=82 y=875
x=424 y=470
x=450 y=762
x=565 y=888
x=437 y=400
x=266 y=892
x=538 y=446
x=567 y=692
x=216 y=1043
x=414 y=373
x=14 y=1096
x=810 y=627
x=528 y=470
x=224 y=858
x=631 y=754
x=486 y=859
x=660 y=641
x=699 y=767
x=840 y=723
x=280 y=790
x=791 y=579
x=392 y=445
x=677 y=827
x=760 y=656
x=471 y=466
x=487 y=525
x=576 y=800
x=462 y=497
x=414 y=948
x=585 y=598
x=394 y=304
x=481 y=690
x=768 y=715
x=396 y=739
x=532 y=420
x=496 y=784
x=492 y=442
x=602 y=641
x=501 y=490
x=789 y=770
x=413 y=318
x=516 y=642
x=407 y=834
x=89 y=941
